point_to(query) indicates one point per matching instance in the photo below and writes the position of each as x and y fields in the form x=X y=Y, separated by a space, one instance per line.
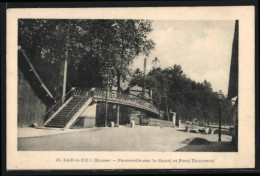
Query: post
x=167 y=111
x=173 y=118
x=219 y=127
x=64 y=80
x=117 y=115
x=144 y=77
x=65 y=68
x=106 y=104
x=118 y=92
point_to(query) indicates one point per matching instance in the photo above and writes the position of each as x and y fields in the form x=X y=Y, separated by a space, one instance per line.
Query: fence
x=130 y=100
x=157 y=122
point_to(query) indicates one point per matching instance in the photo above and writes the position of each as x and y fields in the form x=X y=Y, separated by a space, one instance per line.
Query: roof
x=137 y=89
x=32 y=76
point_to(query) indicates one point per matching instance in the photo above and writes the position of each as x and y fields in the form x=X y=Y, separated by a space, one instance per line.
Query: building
x=233 y=84
x=34 y=98
x=138 y=91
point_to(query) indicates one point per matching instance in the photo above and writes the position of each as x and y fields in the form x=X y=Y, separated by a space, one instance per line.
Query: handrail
x=54 y=108
x=206 y=125
x=34 y=71
x=126 y=99
x=80 y=91
x=77 y=107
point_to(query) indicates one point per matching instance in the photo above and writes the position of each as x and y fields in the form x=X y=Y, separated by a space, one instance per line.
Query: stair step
x=69 y=108
x=57 y=123
x=61 y=115
x=64 y=112
x=60 y=119
x=54 y=126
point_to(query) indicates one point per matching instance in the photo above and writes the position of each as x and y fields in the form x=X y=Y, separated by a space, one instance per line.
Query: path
x=140 y=138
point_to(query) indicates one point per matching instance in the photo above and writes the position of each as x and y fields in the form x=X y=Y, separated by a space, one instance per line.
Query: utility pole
x=106 y=103
x=220 y=97
x=118 y=92
x=219 y=124
x=65 y=67
x=167 y=111
x=144 y=77
x=64 y=80
x=108 y=75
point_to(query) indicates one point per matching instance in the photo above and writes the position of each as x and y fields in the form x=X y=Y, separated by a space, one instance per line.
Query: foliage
x=93 y=48
x=190 y=99
x=155 y=60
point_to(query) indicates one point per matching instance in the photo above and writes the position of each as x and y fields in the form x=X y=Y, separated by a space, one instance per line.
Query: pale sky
x=202 y=48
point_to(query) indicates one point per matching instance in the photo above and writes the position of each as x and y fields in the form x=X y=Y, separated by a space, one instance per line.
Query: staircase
x=61 y=118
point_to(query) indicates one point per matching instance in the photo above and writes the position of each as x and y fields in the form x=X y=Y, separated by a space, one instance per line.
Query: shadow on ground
x=203 y=145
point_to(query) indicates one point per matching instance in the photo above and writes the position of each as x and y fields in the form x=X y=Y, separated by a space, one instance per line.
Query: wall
x=158 y=122
x=235 y=126
x=89 y=116
x=182 y=124
x=30 y=108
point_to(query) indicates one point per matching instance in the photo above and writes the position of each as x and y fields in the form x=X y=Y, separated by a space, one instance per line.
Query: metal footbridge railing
x=62 y=113
x=124 y=99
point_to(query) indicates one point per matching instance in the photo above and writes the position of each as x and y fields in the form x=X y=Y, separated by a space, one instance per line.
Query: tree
x=155 y=61
x=173 y=90
x=137 y=72
x=92 y=46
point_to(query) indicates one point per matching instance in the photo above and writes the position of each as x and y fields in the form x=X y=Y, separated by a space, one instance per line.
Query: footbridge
x=63 y=115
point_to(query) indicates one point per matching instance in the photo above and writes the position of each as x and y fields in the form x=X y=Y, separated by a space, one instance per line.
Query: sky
x=202 y=48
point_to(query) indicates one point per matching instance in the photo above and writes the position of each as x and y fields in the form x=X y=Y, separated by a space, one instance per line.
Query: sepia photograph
x=139 y=85
x=157 y=88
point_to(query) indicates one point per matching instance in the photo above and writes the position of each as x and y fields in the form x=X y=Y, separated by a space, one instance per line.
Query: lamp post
x=66 y=64
x=106 y=104
x=220 y=97
x=107 y=88
x=108 y=76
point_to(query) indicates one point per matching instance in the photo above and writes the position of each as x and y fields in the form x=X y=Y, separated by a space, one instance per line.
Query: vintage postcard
x=130 y=88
